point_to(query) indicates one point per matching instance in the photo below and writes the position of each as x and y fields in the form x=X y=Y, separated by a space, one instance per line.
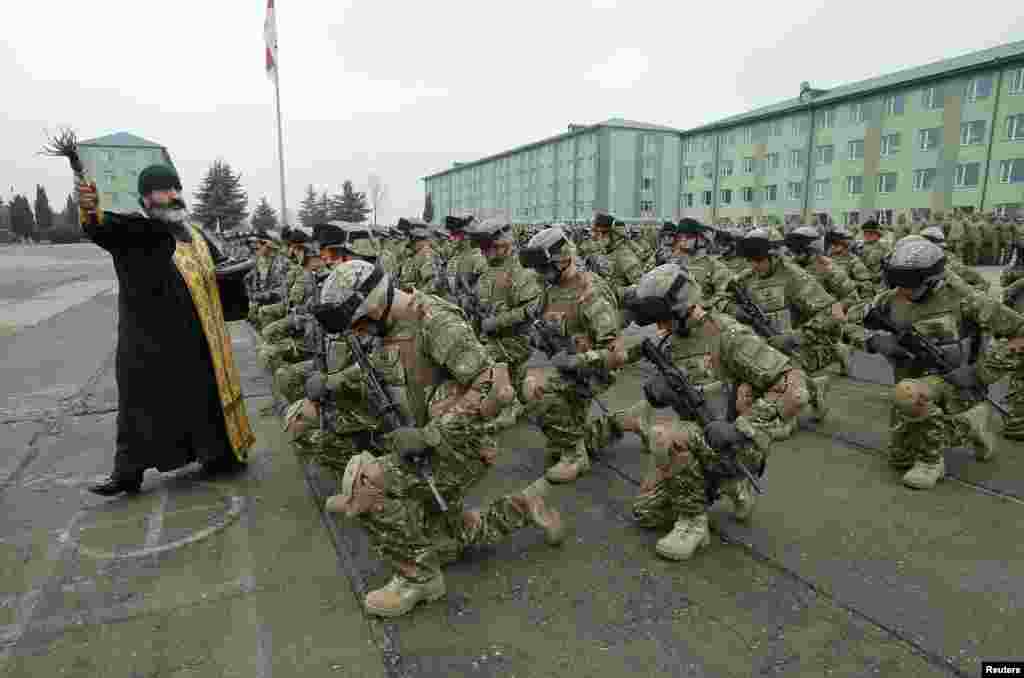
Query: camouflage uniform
x=955 y=267
x=929 y=414
x=626 y=261
x=264 y=284
x=453 y=387
x=872 y=255
x=421 y=271
x=1012 y=281
x=273 y=312
x=972 y=240
x=284 y=339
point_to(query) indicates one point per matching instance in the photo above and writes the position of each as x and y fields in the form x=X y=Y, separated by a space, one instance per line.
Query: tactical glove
x=489 y=325
x=742 y=316
x=887 y=345
x=789 y=343
x=659 y=392
x=965 y=377
x=564 y=361
x=723 y=436
x=316 y=387
x=408 y=442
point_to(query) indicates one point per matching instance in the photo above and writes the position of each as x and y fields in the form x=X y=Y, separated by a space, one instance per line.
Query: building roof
x=910 y=76
x=573 y=130
x=122 y=139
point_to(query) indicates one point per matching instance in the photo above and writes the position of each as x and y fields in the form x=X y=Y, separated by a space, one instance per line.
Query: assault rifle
x=690 y=404
x=547 y=337
x=316 y=341
x=384 y=405
x=759 y=321
x=466 y=297
x=926 y=354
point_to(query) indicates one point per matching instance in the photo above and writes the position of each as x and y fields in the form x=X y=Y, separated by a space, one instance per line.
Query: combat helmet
x=348 y=293
x=488 y=231
x=549 y=253
x=917 y=264
x=359 y=242
x=667 y=292
x=759 y=243
x=934 y=234
x=804 y=242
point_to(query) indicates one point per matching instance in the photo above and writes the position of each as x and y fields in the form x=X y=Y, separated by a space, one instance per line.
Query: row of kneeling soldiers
x=447 y=327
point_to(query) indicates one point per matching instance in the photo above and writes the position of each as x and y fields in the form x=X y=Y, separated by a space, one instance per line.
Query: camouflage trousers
x=271 y=313
x=290 y=380
x=564 y=419
x=923 y=437
x=407 y=527
x=683 y=482
x=998 y=361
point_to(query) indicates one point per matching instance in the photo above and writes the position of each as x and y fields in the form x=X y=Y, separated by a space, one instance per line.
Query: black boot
x=226 y=464
x=116 y=484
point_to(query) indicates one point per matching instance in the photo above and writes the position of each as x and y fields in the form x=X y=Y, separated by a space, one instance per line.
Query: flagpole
x=280 y=141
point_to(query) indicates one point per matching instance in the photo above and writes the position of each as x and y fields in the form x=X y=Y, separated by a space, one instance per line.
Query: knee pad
x=911 y=398
x=361 y=487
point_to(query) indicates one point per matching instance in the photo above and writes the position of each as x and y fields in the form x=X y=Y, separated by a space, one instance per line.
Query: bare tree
x=377 y=193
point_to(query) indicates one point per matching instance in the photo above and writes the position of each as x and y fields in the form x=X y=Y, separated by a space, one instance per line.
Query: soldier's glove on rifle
x=409 y=443
x=742 y=316
x=788 y=343
x=889 y=346
x=489 y=325
x=659 y=392
x=566 y=361
x=723 y=436
x=316 y=387
x=965 y=377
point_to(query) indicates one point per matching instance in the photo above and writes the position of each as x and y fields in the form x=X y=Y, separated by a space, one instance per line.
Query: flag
x=270 y=36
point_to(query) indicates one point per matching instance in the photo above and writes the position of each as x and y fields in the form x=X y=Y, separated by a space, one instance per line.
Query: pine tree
x=23 y=222
x=428 y=209
x=323 y=208
x=220 y=201
x=308 y=208
x=44 y=215
x=265 y=216
x=350 y=205
x=70 y=214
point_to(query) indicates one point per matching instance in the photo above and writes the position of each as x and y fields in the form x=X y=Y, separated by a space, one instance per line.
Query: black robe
x=169 y=410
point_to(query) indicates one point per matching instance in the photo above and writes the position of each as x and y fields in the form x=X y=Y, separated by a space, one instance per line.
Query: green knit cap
x=158 y=178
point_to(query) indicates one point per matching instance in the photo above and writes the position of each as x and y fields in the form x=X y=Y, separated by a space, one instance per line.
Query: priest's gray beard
x=172 y=215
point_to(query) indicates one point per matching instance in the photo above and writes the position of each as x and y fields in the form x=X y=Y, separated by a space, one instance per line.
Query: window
x=771 y=193
x=854 y=185
x=707 y=143
x=649 y=143
x=932 y=98
x=646 y=207
x=796 y=159
x=826 y=119
x=890 y=144
x=771 y=161
x=687 y=199
x=855 y=150
x=858 y=112
x=748 y=194
x=1011 y=171
x=972 y=132
x=748 y=165
x=887 y=182
x=776 y=128
x=799 y=126
x=928 y=139
x=924 y=179
x=725 y=168
x=823 y=154
x=967 y=175
x=794 y=190
x=1016 y=81
x=822 y=188
x=893 y=104
x=708 y=170
x=647 y=184
x=689 y=172
x=978 y=88
x=707 y=197
x=725 y=196
x=746 y=135
x=1015 y=127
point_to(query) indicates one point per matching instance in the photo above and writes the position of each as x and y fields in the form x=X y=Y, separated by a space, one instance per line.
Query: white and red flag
x=270 y=36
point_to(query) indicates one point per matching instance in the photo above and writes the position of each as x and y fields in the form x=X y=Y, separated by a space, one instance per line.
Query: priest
x=179 y=391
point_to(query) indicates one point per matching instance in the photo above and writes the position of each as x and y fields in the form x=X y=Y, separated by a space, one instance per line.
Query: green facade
x=114 y=162
x=938 y=137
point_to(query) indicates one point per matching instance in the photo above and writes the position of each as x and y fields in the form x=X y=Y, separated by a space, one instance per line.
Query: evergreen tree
x=23 y=222
x=308 y=208
x=220 y=200
x=265 y=216
x=428 y=209
x=323 y=208
x=44 y=215
x=350 y=205
x=70 y=214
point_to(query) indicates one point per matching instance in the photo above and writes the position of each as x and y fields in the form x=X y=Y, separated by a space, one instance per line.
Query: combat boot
x=844 y=353
x=400 y=595
x=531 y=502
x=688 y=535
x=568 y=470
x=744 y=500
x=979 y=419
x=923 y=476
x=820 y=399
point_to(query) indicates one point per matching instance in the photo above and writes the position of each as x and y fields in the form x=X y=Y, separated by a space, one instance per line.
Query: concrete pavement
x=841 y=572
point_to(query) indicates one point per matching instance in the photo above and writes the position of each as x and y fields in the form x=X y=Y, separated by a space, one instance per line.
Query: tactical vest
x=770 y=295
x=562 y=304
x=702 y=268
x=937 y=318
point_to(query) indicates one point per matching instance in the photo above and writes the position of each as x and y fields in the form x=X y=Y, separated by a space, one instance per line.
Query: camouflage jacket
x=514 y=295
x=587 y=311
x=420 y=272
x=835 y=281
x=872 y=256
x=626 y=267
x=856 y=271
x=268 y=276
x=966 y=273
x=709 y=271
x=465 y=260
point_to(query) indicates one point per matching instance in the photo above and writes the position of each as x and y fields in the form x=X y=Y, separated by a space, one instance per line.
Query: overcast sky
x=403 y=89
